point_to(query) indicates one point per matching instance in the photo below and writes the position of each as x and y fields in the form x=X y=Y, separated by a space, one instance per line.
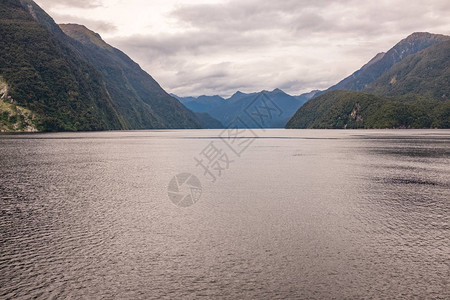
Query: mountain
x=74 y=83
x=183 y=99
x=414 y=93
x=264 y=109
x=307 y=96
x=203 y=103
x=138 y=97
x=382 y=62
x=240 y=95
x=426 y=74
x=199 y=106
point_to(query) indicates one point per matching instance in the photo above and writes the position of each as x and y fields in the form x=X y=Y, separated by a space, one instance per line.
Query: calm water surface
x=299 y=214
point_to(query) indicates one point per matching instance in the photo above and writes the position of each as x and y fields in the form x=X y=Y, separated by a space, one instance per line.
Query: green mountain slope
x=350 y=109
x=427 y=74
x=45 y=76
x=139 y=98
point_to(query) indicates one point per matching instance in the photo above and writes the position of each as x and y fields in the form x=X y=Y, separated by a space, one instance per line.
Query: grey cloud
x=353 y=31
x=259 y=15
x=195 y=43
x=346 y=16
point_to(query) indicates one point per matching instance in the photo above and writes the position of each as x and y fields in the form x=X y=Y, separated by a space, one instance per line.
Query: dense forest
x=350 y=109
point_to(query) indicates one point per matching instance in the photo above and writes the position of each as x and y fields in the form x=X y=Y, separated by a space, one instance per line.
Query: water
x=300 y=214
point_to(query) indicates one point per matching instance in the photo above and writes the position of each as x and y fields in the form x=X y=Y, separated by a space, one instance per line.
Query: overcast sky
x=213 y=47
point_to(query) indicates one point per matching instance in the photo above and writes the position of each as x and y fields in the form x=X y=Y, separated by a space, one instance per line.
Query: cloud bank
x=218 y=47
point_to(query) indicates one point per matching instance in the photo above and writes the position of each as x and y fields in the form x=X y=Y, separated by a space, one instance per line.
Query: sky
x=217 y=47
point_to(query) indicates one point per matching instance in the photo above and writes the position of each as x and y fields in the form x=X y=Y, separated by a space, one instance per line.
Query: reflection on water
x=301 y=214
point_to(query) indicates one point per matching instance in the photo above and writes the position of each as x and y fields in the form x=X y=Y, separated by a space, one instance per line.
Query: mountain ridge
x=139 y=98
x=427 y=73
x=228 y=109
x=413 y=93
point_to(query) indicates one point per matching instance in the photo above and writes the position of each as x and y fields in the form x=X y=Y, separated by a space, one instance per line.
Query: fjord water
x=299 y=214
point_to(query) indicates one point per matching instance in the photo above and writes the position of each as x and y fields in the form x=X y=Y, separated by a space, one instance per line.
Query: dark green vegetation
x=350 y=109
x=52 y=76
x=413 y=93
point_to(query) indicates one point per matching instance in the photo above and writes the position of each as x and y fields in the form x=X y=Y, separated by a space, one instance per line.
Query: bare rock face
x=14 y=118
x=3 y=90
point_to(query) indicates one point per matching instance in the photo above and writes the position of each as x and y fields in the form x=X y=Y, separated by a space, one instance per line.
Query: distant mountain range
x=263 y=109
x=67 y=78
x=408 y=87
